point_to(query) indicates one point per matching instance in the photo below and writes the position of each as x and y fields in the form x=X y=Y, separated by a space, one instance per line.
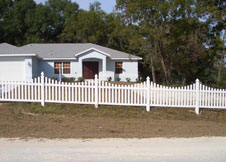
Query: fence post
x=148 y=94
x=96 y=91
x=42 y=90
x=197 y=96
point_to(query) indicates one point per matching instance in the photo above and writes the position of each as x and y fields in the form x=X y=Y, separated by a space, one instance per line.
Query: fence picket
x=87 y=92
x=138 y=93
x=39 y=87
x=224 y=95
x=55 y=88
x=99 y=91
x=220 y=97
x=103 y=93
x=52 y=87
x=217 y=100
x=83 y=91
x=63 y=92
x=144 y=93
x=164 y=95
x=7 y=90
x=2 y=90
x=28 y=91
x=66 y=90
x=76 y=92
x=132 y=94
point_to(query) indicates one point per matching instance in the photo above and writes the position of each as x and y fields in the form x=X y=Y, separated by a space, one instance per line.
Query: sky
x=106 y=5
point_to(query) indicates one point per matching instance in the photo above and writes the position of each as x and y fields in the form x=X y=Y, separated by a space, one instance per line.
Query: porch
x=94 y=63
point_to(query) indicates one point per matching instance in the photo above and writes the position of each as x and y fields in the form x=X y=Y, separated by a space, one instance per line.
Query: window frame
x=119 y=68
x=63 y=65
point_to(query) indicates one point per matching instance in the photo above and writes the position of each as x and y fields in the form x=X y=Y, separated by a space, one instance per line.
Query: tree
x=40 y=25
x=86 y=26
x=217 y=11
x=179 y=40
x=5 y=7
x=173 y=34
x=13 y=22
x=149 y=15
x=60 y=13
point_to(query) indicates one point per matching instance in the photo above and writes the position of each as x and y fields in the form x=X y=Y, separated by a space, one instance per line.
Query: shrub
x=138 y=80
x=81 y=79
x=128 y=79
x=109 y=79
x=118 y=79
x=54 y=78
x=71 y=79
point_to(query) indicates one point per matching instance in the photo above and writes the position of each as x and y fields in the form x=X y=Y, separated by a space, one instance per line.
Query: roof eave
x=18 y=55
x=126 y=58
x=59 y=59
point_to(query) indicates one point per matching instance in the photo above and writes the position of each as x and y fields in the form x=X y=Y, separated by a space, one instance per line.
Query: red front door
x=90 y=69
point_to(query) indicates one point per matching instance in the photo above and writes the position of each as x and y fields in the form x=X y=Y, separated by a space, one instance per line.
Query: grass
x=85 y=121
x=120 y=112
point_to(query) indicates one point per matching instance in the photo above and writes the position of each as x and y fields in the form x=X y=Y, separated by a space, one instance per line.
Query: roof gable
x=92 y=49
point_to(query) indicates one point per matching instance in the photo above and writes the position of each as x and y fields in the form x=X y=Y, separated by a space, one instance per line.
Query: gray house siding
x=35 y=67
x=129 y=69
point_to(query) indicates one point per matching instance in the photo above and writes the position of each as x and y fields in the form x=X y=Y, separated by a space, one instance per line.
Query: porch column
x=80 y=70
x=104 y=67
x=28 y=68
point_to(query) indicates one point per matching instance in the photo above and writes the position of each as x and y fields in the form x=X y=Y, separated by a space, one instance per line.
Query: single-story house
x=66 y=60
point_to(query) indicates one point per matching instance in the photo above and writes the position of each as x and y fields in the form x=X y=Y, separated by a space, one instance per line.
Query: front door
x=90 y=69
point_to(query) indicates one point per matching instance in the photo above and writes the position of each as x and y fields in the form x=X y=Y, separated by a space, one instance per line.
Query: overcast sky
x=106 y=5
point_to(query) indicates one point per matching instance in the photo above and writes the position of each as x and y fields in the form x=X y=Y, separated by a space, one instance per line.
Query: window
x=62 y=67
x=118 y=67
x=66 y=68
x=57 y=66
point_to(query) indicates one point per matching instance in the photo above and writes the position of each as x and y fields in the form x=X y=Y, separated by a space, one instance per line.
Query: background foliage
x=179 y=40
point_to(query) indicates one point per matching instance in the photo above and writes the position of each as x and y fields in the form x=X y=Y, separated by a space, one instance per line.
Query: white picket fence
x=98 y=92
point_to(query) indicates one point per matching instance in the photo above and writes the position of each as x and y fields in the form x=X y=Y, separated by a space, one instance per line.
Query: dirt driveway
x=111 y=150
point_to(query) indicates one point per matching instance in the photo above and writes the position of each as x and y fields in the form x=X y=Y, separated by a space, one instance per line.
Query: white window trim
x=122 y=68
x=62 y=68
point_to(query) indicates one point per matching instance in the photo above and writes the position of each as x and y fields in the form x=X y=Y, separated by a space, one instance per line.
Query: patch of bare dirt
x=16 y=123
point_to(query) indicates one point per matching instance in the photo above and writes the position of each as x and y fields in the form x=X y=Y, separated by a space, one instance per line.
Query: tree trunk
x=166 y=72
x=151 y=65
x=220 y=69
x=221 y=61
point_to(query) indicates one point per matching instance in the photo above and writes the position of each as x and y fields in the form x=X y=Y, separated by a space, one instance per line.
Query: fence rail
x=98 y=92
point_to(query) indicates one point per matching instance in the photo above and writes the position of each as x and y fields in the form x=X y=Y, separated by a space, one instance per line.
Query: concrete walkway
x=129 y=150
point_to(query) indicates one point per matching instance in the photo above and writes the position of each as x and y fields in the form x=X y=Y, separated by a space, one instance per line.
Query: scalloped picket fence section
x=96 y=92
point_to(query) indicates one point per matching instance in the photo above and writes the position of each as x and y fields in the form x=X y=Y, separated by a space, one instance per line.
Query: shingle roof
x=8 y=49
x=69 y=50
